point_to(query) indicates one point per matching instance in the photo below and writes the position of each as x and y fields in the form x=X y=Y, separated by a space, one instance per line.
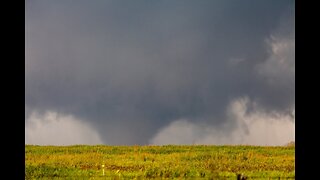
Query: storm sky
x=123 y=72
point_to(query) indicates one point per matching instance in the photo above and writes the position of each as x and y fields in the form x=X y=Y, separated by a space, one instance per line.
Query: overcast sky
x=122 y=72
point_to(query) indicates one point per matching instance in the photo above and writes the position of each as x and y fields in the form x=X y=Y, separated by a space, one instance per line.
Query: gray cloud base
x=130 y=69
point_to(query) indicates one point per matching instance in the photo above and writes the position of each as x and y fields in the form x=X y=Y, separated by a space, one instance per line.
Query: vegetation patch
x=171 y=161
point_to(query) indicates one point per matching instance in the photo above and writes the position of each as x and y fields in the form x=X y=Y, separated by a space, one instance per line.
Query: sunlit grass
x=159 y=161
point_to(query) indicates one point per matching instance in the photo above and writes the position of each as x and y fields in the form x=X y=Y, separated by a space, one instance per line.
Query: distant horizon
x=291 y=143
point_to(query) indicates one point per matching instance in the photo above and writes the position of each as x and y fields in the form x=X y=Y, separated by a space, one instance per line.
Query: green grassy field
x=172 y=161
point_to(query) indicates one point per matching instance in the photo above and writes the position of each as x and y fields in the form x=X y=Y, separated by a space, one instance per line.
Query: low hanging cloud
x=252 y=128
x=129 y=70
x=247 y=122
x=52 y=128
x=279 y=68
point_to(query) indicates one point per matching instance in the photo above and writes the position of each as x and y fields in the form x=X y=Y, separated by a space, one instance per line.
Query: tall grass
x=171 y=161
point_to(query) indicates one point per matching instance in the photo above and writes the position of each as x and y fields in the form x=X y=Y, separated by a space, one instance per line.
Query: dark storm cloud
x=132 y=67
